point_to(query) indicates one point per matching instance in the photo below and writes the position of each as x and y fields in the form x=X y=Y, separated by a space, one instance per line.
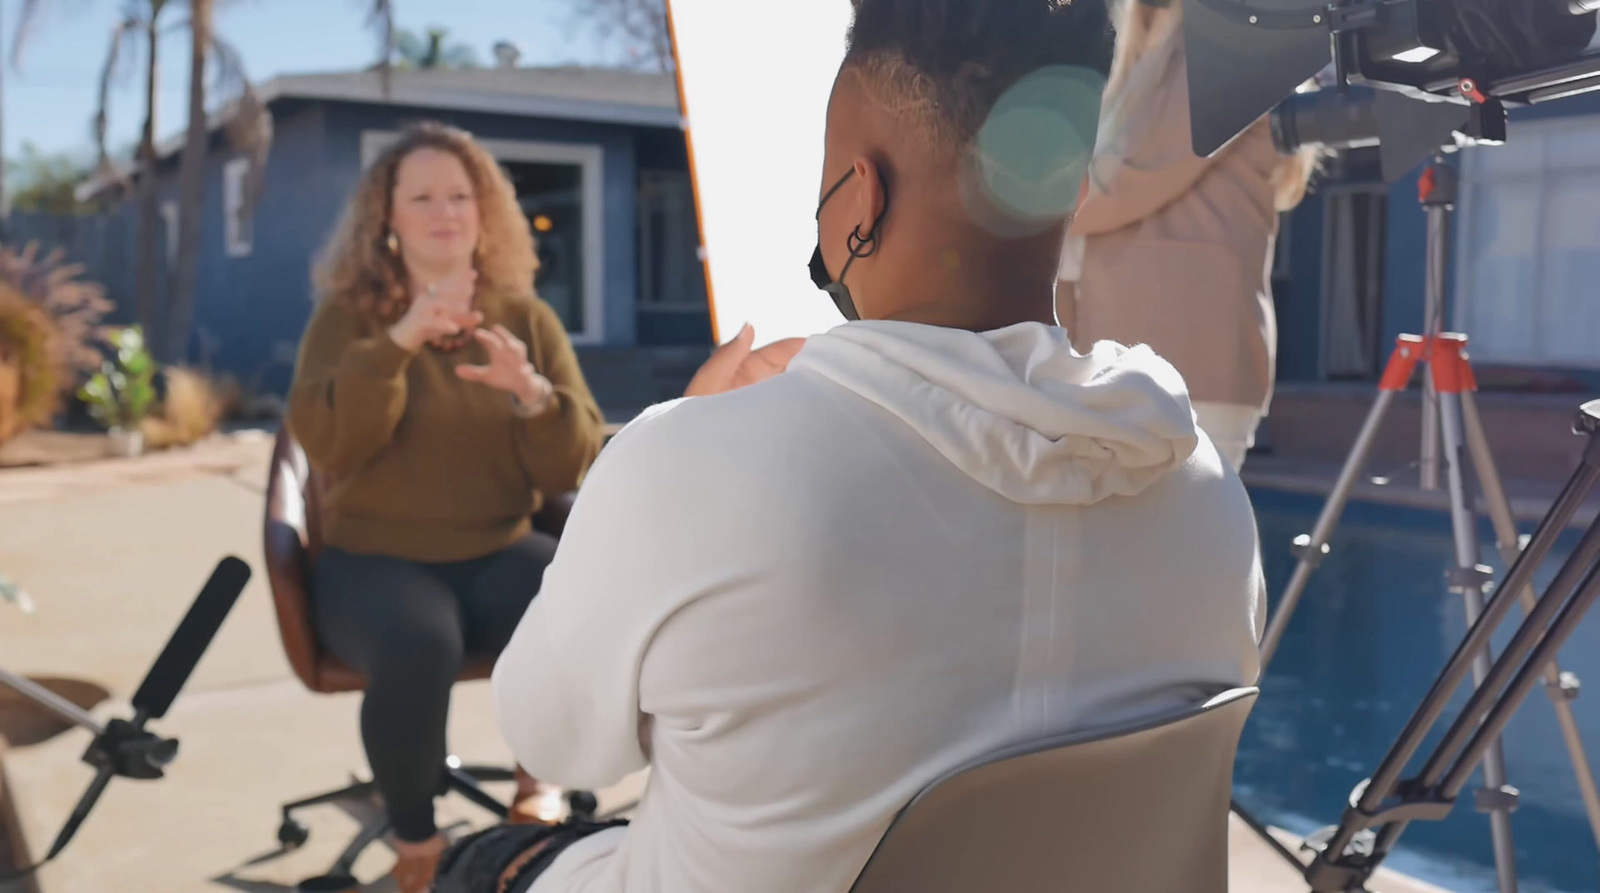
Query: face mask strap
x=835 y=188
x=858 y=245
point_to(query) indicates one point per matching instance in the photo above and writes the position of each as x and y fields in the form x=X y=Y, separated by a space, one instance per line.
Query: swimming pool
x=1373 y=630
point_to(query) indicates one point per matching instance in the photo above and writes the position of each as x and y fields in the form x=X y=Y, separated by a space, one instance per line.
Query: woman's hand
x=508 y=369
x=734 y=365
x=442 y=309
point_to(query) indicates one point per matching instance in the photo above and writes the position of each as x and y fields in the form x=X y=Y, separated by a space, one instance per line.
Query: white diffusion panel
x=755 y=77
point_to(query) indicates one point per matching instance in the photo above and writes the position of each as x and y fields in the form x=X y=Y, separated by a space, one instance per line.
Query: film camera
x=1406 y=75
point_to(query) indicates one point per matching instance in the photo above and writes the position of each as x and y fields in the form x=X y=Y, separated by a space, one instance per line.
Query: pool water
x=1375 y=627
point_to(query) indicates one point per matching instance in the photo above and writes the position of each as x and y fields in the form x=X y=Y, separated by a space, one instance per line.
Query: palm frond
x=24 y=30
x=123 y=38
x=380 y=18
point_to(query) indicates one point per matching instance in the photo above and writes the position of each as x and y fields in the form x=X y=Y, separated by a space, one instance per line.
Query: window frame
x=238 y=229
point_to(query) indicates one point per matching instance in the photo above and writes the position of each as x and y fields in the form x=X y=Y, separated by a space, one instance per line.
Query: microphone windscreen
x=192 y=637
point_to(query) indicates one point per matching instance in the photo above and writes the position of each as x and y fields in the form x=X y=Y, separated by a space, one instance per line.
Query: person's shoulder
x=739 y=432
x=771 y=410
x=337 y=312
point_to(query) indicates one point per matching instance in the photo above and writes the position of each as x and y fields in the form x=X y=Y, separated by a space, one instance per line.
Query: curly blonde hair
x=357 y=265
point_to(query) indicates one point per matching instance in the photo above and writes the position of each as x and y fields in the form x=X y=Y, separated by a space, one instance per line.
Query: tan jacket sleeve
x=1159 y=167
x=558 y=446
x=349 y=389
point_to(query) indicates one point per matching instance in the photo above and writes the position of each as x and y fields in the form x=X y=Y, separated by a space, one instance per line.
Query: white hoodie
x=801 y=602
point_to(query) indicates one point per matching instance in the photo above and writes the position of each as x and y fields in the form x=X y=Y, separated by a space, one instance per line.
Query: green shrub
x=120 y=394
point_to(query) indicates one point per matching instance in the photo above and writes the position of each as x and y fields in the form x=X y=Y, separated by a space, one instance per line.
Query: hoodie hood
x=1017 y=409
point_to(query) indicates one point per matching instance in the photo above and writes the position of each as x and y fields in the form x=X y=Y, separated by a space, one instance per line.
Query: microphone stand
x=122 y=748
x=50 y=701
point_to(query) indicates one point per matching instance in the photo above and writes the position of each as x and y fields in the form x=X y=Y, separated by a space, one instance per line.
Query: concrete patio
x=112 y=553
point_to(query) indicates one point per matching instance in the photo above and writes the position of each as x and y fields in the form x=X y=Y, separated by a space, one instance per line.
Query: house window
x=1354 y=232
x=551 y=197
x=169 y=227
x=1528 y=246
x=560 y=188
x=237 y=223
x=671 y=274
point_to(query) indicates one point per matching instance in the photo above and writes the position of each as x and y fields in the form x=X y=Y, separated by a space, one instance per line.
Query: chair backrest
x=1136 y=809
x=291 y=541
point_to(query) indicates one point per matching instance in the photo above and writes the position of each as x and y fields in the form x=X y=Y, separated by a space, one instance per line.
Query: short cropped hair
x=943 y=64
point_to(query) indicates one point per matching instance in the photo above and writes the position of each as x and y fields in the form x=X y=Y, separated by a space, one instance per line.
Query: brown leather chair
x=292 y=540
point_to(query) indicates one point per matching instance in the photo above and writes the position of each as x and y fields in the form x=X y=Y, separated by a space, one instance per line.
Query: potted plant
x=120 y=394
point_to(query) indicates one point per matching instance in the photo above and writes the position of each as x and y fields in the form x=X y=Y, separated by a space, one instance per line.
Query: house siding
x=252 y=310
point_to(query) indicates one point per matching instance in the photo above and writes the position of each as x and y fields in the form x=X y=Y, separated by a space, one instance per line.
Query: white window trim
x=591 y=159
x=170 y=222
x=235 y=181
x=1461 y=225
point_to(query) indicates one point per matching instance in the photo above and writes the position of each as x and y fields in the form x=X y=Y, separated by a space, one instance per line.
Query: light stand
x=1382 y=806
x=1452 y=431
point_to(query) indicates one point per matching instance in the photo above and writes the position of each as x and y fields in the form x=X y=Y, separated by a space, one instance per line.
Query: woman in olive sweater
x=440 y=398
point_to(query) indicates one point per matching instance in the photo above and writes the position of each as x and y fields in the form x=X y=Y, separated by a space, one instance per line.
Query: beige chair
x=1141 y=808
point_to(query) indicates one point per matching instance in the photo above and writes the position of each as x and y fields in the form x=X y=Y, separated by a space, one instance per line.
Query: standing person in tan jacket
x=1173 y=250
x=440 y=398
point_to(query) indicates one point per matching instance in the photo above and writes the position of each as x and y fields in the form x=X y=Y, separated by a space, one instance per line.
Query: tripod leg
x=1557 y=685
x=1469 y=579
x=1312 y=548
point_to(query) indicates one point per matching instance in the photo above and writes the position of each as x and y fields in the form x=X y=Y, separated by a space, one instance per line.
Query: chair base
x=464 y=780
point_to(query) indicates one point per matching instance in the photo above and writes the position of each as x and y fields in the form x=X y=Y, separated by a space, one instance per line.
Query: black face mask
x=859 y=246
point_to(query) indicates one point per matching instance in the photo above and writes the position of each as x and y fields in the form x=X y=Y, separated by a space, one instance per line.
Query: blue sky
x=51 y=100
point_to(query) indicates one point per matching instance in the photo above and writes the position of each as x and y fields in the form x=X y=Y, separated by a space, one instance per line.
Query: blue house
x=1524 y=272
x=600 y=166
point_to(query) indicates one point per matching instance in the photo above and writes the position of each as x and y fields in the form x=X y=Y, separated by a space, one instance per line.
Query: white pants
x=1231 y=427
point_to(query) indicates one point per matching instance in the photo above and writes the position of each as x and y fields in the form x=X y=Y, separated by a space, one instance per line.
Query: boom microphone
x=124 y=748
x=191 y=639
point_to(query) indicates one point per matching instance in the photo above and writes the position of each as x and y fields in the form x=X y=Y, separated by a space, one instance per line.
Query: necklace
x=458 y=341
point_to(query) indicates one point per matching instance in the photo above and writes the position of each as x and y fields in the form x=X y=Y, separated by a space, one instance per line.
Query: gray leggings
x=409 y=628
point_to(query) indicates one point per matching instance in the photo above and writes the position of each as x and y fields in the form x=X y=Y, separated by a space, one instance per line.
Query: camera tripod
x=1452 y=432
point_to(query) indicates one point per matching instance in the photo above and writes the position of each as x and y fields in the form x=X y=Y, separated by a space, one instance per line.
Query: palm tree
x=141 y=26
x=249 y=131
x=191 y=186
x=140 y=23
x=380 y=18
x=642 y=25
x=433 y=51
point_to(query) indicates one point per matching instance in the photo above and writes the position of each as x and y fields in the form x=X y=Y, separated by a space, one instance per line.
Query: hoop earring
x=862 y=246
x=393 y=243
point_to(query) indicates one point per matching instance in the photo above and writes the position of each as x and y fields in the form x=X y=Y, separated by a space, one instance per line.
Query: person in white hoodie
x=938 y=533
